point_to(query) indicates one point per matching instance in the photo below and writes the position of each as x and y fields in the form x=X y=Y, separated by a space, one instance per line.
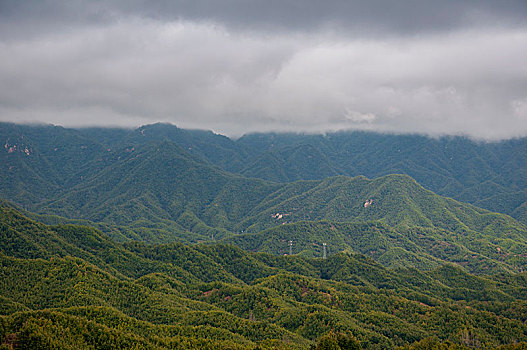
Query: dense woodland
x=160 y=237
x=70 y=286
x=492 y=175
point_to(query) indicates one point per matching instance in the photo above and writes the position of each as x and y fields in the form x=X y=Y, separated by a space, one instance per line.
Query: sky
x=449 y=67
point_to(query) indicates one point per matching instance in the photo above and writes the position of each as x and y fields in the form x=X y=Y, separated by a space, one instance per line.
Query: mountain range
x=71 y=287
x=159 y=237
x=161 y=184
x=491 y=175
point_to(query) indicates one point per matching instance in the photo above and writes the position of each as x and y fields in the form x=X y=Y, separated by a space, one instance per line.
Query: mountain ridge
x=452 y=166
x=219 y=296
x=151 y=188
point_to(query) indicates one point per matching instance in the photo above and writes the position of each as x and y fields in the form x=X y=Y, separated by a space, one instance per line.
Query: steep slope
x=419 y=247
x=161 y=191
x=395 y=199
x=214 y=148
x=491 y=175
x=156 y=191
x=302 y=162
x=38 y=162
x=67 y=302
x=396 y=221
x=25 y=238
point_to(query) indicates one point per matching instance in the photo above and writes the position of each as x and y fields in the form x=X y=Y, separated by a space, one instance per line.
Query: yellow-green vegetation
x=161 y=184
x=160 y=237
x=70 y=287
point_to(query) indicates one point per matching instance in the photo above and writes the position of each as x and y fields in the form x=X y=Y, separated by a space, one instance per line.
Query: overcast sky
x=434 y=67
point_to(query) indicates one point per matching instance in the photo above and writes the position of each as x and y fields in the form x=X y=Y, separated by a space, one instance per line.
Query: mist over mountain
x=363 y=184
x=282 y=241
x=489 y=175
x=160 y=183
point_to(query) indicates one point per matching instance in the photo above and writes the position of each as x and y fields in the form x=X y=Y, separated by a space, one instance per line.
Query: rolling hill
x=68 y=286
x=164 y=193
x=491 y=175
x=135 y=187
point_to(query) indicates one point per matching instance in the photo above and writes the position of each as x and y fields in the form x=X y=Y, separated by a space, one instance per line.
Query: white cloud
x=201 y=75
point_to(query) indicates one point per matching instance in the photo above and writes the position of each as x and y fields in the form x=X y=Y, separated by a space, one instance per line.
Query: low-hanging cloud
x=204 y=74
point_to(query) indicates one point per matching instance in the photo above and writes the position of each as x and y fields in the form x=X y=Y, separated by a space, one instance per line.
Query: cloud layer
x=201 y=66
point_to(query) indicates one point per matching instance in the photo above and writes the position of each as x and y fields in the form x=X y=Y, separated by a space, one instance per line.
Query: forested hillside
x=356 y=178
x=71 y=287
x=158 y=184
x=492 y=175
x=186 y=234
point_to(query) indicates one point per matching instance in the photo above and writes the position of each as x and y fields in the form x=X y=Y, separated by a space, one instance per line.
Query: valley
x=184 y=237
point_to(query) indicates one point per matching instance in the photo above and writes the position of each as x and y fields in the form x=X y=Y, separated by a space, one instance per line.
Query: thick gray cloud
x=448 y=67
x=360 y=16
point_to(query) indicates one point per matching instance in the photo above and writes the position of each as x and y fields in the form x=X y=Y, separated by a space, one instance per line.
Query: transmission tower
x=324 y=254
x=290 y=247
